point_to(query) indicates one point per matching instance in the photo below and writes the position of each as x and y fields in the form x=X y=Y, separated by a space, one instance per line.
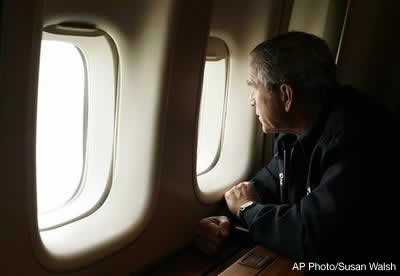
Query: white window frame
x=99 y=131
x=241 y=133
x=216 y=50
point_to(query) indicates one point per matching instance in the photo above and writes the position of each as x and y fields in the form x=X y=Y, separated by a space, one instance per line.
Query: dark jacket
x=328 y=196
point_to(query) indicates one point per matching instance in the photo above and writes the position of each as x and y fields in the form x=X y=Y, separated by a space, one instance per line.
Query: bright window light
x=75 y=124
x=211 y=115
x=60 y=140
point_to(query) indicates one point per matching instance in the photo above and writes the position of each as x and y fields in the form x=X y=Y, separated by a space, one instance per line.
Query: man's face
x=268 y=106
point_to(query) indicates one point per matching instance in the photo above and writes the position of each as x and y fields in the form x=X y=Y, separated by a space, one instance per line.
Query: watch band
x=243 y=208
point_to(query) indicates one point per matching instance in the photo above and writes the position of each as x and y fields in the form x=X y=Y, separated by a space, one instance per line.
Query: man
x=327 y=193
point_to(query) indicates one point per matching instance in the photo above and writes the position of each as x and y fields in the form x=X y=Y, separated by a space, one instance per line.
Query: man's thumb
x=225 y=227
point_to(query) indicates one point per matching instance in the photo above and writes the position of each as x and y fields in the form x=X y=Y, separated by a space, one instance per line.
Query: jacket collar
x=309 y=140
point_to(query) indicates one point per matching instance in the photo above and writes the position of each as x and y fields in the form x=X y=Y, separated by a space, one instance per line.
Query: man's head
x=288 y=74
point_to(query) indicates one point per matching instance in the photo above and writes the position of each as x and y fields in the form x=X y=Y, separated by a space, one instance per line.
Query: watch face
x=248 y=203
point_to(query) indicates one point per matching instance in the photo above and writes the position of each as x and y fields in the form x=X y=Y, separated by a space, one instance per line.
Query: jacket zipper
x=282 y=178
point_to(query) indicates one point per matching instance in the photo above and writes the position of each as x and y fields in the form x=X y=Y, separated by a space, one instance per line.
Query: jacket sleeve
x=266 y=182
x=267 y=187
x=310 y=229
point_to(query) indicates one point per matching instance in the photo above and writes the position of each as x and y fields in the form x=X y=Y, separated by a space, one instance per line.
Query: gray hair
x=299 y=59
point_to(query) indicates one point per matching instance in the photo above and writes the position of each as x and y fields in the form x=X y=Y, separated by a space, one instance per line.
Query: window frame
x=90 y=195
x=217 y=50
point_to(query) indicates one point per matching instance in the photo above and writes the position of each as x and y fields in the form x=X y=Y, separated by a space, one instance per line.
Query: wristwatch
x=244 y=207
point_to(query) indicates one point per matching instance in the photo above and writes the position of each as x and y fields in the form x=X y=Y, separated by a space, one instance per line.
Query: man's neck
x=304 y=118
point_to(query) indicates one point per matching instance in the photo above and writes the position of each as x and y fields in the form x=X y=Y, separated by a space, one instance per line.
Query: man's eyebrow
x=250 y=83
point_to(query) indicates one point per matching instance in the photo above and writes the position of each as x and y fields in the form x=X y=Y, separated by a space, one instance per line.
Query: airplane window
x=76 y=109
x=211 y=117
x=60 y=124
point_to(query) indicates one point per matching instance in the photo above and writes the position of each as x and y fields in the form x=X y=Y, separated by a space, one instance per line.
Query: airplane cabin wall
x=19 y=58
x=323 y=18
x=369 y=52
x=242 y=26
x=363 y=36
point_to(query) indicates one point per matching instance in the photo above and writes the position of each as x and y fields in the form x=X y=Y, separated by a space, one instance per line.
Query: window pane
x=211 y=114
x=60 y=124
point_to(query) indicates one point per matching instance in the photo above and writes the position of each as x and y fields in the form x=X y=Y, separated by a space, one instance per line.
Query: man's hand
x=239 y=195
x=211 y=234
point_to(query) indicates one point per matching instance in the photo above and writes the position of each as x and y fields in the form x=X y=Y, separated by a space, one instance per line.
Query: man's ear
x=286 y=92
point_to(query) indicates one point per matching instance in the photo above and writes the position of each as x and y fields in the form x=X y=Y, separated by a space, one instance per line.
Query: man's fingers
x=252 y=191
x=213 y=229
x=209 y=226
x=237 y=190
x=211 y=234
x=224 y=226
x=221 y=219
x=229 y=194
x=215 y=219
x=248 y=190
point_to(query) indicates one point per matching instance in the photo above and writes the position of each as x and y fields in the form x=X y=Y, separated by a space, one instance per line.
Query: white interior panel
x=211 y=115
x=101 y=76
x=241 y=25
x=141 y=41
